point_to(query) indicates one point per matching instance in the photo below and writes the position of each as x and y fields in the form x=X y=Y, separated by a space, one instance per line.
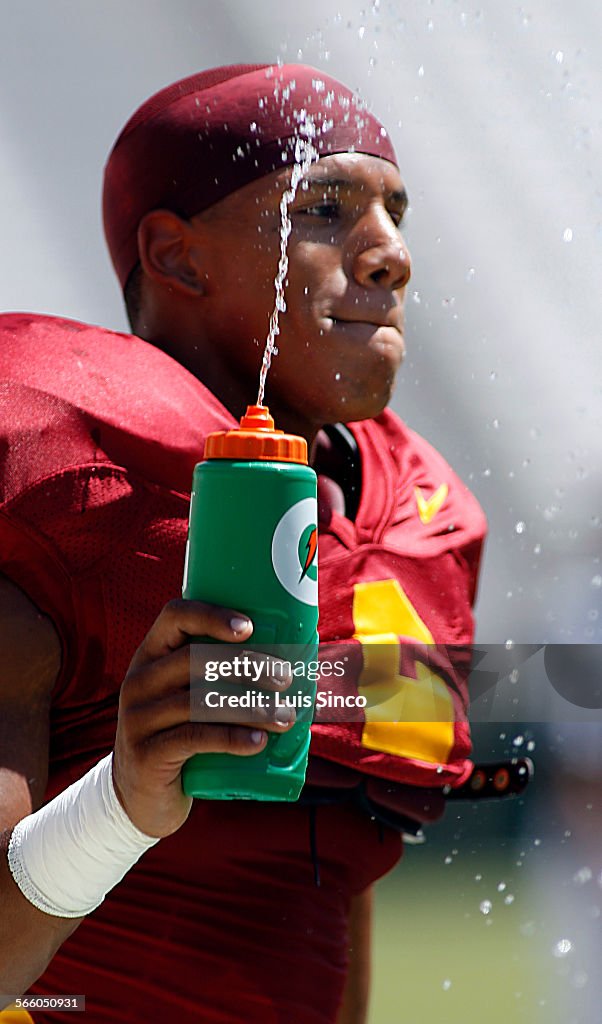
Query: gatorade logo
x=294 y=551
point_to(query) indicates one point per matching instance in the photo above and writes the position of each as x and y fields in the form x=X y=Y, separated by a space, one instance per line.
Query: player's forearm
x=29 y=938
x=58 y=864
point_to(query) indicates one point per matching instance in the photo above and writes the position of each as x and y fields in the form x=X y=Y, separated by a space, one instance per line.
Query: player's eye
x=327 y=210
x=397 y=217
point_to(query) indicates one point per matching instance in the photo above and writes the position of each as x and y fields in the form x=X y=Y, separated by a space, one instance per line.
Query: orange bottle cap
x=256 y=438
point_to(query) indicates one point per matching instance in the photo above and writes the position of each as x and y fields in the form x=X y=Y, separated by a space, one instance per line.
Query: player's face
x=341 y=337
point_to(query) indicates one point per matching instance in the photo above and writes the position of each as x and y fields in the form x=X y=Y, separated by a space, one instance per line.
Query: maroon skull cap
x=206 y=136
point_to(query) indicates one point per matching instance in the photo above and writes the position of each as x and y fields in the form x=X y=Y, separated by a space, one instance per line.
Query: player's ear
x=170 y=253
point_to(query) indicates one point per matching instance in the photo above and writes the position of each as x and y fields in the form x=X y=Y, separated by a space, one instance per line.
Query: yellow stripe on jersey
x=407 y=717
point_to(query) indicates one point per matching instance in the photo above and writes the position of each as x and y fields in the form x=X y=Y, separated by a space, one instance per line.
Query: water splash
x=305 y=154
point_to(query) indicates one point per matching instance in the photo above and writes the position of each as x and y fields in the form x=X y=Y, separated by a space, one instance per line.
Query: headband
x=198 y=140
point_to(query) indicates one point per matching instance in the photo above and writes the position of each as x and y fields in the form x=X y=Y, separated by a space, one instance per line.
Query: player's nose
x=381 y=256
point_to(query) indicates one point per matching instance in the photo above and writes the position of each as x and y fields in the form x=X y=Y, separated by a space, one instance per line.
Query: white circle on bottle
x=294 y=551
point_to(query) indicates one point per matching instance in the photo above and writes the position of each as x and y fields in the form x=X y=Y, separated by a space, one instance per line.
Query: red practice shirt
x=222 y=921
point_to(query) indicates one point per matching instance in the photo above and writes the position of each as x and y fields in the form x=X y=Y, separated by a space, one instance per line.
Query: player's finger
x=144 y=721
x=178 y=744
x=181 y=620
x=176 y=670
x=226 y=663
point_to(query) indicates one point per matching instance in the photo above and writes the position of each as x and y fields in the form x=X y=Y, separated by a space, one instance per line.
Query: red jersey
x=100 y=433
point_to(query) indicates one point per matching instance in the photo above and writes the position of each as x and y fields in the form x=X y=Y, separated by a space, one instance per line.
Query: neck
x=235 y=388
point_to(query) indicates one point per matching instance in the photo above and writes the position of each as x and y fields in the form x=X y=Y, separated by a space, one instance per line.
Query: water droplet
x=478 y=878
x=514 y=675
x=486 y=472
x=567 y=235
x=493 y=375
x=537 y=842
x=559 y=56
x=531 y=746
x=562 y=948
x=501 y=886
x=509 y=899
x=416 y=297
x=583 y=876
x=253 y=126
x=597 y=581
x=337 y=376
x=361 y=31
x=306 y=290
x=520 y=527
x=509 y=645
x=421 y=71
x=518 y=741
x=448 y=860
x=471 y=273
x=446 y=985
x=495 y=424
x=537 y=549
x=485 y=906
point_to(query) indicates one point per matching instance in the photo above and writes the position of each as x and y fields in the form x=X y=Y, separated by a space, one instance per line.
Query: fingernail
x=284 y=716
x=238 y=624
x=257 y=737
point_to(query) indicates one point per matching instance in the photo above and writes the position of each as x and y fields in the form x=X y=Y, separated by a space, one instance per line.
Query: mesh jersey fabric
x=100 y=433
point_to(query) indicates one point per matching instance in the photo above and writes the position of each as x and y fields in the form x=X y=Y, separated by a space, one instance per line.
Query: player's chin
x=387 y=344
x=374 y=388
x=366 y=398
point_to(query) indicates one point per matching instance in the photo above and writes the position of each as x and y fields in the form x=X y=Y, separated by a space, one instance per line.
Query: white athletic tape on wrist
x=67 y=856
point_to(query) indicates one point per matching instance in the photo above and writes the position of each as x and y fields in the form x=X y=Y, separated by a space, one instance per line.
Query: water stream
x=305 y=154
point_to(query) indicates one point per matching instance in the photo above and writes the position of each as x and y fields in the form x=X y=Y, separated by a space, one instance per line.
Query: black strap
x=350 y=479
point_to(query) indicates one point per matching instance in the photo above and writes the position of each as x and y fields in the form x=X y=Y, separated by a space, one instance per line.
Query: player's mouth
x=367 y=329
x=359 y=322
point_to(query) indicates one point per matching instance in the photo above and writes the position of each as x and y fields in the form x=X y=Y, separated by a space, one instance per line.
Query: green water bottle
x=252 y=546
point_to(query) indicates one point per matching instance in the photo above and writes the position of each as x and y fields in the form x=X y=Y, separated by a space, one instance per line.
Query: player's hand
x=154 y=733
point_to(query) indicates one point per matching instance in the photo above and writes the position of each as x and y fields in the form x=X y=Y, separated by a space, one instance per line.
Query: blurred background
x=495 y=110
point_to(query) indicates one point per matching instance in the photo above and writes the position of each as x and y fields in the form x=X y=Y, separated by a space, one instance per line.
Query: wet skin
x=208 y=292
